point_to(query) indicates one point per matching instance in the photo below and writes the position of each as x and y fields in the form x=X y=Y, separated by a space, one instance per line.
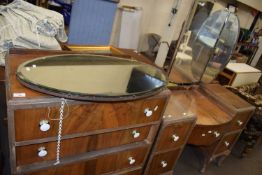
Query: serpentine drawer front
x=100 y=165
x=73 y=147
x=207 y=135
x=37 y=123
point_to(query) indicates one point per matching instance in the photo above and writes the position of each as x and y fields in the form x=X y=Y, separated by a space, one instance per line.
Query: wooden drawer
x=73 y=147
x=86 y=117
x=130 y=172
x=207 y=135
x=240 y=120
x=227 y=143
x=100 y=165
x=163 y=163
x=173 y=135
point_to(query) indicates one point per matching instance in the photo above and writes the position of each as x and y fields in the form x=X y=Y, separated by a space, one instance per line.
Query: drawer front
x=240 y=121
x=162 y=163
x=207 y=135
x=36 y=123
x=173 y=135
x=131 y=172
x=100 y=165
x=227 y=143
x=73 y=147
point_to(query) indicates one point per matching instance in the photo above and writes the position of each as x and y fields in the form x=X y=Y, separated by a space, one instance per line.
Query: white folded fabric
x=25 y=25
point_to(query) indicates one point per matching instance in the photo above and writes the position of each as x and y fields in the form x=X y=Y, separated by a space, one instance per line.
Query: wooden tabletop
x=194 y=101
x=227 y=98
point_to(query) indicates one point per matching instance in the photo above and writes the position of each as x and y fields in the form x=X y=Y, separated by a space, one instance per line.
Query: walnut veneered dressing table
x=221 y=115
x=98 y=136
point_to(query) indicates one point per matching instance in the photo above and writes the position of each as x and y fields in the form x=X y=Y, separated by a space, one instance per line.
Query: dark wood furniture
x=221 y=117
x=251 y=136
x=97 y=138
x=175 y=129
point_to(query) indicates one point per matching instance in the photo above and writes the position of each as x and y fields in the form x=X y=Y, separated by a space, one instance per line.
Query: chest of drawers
x=128 y=137
x=174 y=131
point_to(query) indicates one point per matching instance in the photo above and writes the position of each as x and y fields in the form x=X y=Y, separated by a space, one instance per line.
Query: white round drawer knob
x=135 y=134
x=175 y=138
x=131 y=160
x=148 y=112
x=42 y=152
x=163 y=164
x=227 y=144
x=240 y=122
x=44 y=125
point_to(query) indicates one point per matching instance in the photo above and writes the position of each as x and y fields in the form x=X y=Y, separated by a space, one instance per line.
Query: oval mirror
x=91 y=77
x=214 y=45
x=207 y=50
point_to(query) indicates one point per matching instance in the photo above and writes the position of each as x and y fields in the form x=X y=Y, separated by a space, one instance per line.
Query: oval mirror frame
x=91 y=77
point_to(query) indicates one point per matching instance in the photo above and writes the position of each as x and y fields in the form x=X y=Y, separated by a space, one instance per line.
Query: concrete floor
x=189 y=164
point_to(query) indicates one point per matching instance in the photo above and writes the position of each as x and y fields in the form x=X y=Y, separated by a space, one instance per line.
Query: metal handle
x=240 y=122
x=131 y=160
x=217 y=134
x=163 y=164
x=175 y=137
x=135 y=134
x=42 y=152
x=226 y=143
x=148 y=112
x=44 y=125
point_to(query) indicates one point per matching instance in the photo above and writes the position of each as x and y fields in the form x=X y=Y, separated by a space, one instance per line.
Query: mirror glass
x=223 y=47
x=207 y=50
x=91 y=77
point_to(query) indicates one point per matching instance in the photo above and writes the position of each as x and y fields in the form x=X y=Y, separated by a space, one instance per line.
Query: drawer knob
x=226 y=143
x=135 y=134
x=217 y=134
x=148 y=112
x=175 y=137
x=44 y=125
x=163 y=164
x=131 y=160
x=240 y=122
x=42 y=152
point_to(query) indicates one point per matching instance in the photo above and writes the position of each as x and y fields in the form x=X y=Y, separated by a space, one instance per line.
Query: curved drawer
x=85 y=118
x=100 y=165
x=206 y=135
x=72 y=147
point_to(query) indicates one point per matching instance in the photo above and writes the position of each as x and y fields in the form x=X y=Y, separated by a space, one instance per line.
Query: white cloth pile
x=24 y=25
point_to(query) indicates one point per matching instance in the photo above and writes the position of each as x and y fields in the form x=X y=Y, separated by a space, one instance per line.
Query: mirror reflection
x=205 y=51
x=91 y=76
